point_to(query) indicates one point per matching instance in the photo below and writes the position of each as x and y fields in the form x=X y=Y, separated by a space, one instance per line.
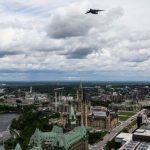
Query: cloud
x=13 y=77
x=137 y=57
x=71 y=22
x=5 y=53
x=38 y=36
x=79 y=53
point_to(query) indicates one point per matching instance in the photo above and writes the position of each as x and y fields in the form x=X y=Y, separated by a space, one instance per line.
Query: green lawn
x=123 y=116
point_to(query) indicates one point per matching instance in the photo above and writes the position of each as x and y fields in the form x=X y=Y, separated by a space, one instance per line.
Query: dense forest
x=25 y=126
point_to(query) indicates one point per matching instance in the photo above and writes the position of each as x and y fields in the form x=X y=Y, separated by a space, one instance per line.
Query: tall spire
x=18 y=147
x=30 y=89
x=2 y=147
x=35 y=138
x=80 y=85
x=72 y=116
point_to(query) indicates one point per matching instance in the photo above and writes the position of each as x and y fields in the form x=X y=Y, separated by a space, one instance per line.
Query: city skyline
x=44 y=40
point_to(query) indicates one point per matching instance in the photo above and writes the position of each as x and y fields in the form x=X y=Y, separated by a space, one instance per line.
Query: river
x=5 y=120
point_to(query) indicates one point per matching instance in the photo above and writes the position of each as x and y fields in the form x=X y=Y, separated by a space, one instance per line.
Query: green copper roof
x=73 y=136
x=57 y=129
x=18 y=147
x=37 y=137
x=37 y=148
x=57 y=137
x=2 y=147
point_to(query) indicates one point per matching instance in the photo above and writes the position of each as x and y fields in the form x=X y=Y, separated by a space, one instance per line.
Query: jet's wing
x=88 y=12
x=100 y=10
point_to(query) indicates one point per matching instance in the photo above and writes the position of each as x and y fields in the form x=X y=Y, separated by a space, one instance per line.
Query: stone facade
x=72 y=137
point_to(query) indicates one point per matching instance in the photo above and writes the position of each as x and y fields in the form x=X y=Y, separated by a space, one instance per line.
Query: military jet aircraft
x=93 y=11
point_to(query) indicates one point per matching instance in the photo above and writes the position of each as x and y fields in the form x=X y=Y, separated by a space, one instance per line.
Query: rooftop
x=144 y=130
x=123 y=137
x=130 y=145
x=18 y=147
x=57 y=138
x=2 y=147
x=146 y=126
x=99 y=114
x=143 y=146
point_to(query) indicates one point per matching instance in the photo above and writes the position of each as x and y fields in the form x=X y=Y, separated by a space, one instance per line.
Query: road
x=100 y=145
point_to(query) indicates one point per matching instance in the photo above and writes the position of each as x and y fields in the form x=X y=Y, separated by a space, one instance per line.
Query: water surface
x=5 y=120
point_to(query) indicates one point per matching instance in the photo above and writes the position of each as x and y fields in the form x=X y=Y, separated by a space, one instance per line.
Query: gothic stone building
x=74 y=137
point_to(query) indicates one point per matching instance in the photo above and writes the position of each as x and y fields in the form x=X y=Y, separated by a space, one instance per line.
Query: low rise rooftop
x=143 y=133
x=130 y=145
x=123 y=137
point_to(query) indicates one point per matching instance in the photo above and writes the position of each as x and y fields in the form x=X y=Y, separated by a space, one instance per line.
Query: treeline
x=18 y=109
x=26 y=125
x=96 y=136
x=49 y=89
x=6 y=108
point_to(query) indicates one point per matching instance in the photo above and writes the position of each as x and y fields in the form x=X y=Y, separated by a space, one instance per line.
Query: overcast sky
x=44 y=40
